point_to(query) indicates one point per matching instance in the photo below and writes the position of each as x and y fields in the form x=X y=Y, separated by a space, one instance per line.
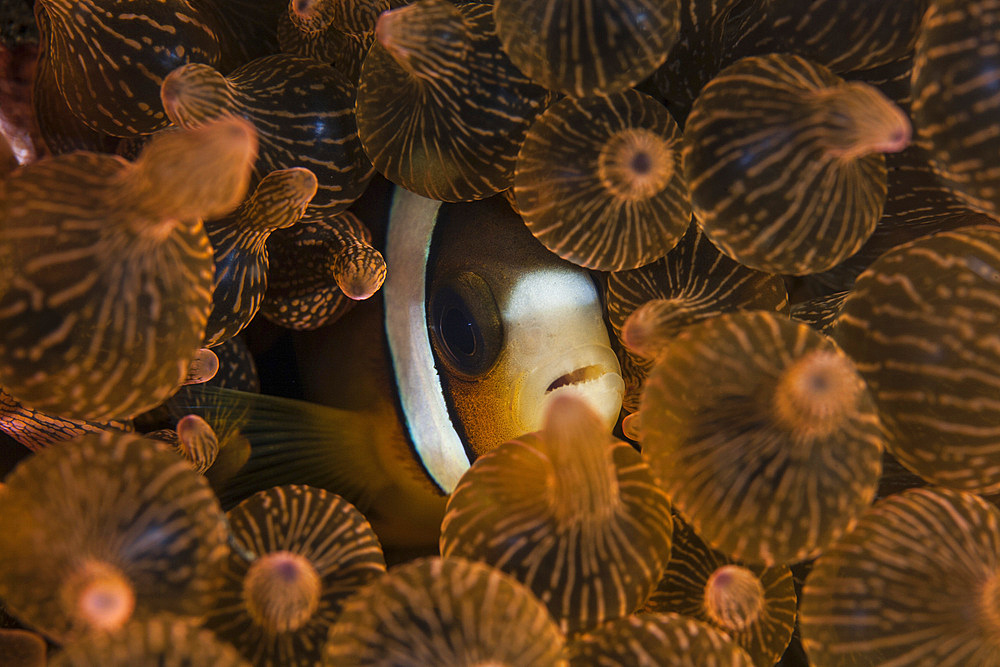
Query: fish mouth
x=583 y=374
x=591 y=372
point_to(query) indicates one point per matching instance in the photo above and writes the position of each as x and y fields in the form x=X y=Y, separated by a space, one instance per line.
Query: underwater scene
x=516 y=333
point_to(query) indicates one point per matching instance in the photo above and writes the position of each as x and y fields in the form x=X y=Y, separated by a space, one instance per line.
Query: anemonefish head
x=508 y=326
x=512 y=326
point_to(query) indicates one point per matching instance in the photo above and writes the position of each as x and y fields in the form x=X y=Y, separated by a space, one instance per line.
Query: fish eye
x=465 y=325
x=458 y=331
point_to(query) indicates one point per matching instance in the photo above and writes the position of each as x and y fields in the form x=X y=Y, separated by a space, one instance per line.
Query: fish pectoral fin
x=291 y=442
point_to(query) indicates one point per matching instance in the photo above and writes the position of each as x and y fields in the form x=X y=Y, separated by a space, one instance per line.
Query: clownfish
x=476 y=329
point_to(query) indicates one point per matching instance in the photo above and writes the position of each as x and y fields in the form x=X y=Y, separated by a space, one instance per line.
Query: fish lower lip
x=582 y=374
x=595 y=377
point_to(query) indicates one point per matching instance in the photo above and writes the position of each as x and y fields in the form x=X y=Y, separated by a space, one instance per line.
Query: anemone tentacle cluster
x=259 y=337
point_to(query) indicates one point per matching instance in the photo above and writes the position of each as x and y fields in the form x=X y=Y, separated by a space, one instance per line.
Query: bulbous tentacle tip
x=651 y=326
x=203 y=367
x=191 y=174
x=300 y=184
x=279 y=201
x=172 y=88
x=282 y=591
x=193 y=93
x=641 y=333
x=862 y=121
x=312 y=16
x=197 y=442
x=898 y=137
x=632 y=426
x=99 y=596
x=568 y=417
x=818 y=393
x=304 y=8
x=636 y=164
x=734 y=597
x=359 y=271
x=578 y=444
x=386 y=27
x=235 y=136
x=422 y=35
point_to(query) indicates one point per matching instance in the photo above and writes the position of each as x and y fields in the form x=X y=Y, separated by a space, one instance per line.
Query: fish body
x=477 y=327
